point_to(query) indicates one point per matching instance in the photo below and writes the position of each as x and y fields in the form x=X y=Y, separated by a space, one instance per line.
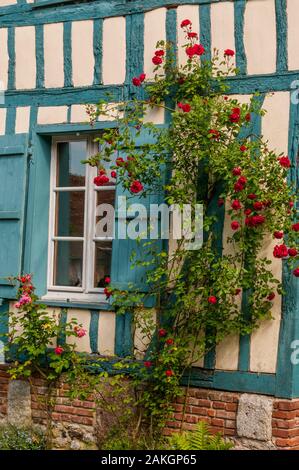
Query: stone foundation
x=252 y=421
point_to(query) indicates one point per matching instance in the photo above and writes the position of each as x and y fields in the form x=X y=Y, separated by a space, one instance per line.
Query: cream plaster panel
x=260 y=36
x=3 y=58
x=293 y=34
x=114 y=50
x=189 y=12
x=264 y=341
x=112 y=112
x=222 y=28
x=82 y=53
x=142 y=338
x=154 y=31
x=5 y=3
x=2 y=120
x=83 y=318
x=78 y=113
x=53 y=55
x=227 y=353
x=52 y=115
x=155 y=115
x=275 y=123
x=25 y=57
x=106 y=333
x=22 y=120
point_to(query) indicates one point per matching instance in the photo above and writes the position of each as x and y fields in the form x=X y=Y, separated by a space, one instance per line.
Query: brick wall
x=221 y=410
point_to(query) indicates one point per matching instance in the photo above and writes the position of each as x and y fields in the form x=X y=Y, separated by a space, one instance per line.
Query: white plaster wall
x=53 y=55
x=52 y=115
x=293 y=34
x=227 y=353
x=222 y=28
x=114 y=50
x=189 y=12
x=106 y=333
x=3 y=58
x=155 y=115
x=82 y=53
x=78 y=113
x=154 y=30
x=83 y=318
x=5 y=3
x=260 y=36
x=275 y=123
x=22 y=120
x=25 y=57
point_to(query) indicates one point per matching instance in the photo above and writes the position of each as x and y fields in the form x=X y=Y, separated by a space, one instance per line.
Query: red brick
x=288 y=405
x=200 y=410
x=219 y=405
x=225 y=414
x=231 y=406
x=284 y=414
x=284 y=423
x=229 y=432
x=217 y=422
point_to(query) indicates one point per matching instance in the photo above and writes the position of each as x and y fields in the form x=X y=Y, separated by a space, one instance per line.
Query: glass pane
x=105 y=213
x=68 y=262
x=70 y=214
x=103 y=252
x=70 y=170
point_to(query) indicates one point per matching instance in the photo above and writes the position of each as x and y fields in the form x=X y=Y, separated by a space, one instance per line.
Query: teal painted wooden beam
x=281 y=36
x=135 y=54
x=39 y=41
x=10 y=120
x=123 y=335
x=61 y=339
x=205 y=29
x=67 y=53
x=94 y=331
x=97 y=50
x=239 y=10
x=11 y=58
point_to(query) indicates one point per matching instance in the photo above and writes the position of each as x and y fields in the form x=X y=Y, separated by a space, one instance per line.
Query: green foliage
x=14 y=438
x=200 y=439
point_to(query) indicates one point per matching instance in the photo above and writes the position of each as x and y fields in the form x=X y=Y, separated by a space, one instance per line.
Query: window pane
x=103 y=252
x=68 y=262
x=70 y=214
x=70 y=170
x=105 y=213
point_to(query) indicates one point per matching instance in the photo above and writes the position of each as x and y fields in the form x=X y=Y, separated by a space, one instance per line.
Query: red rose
x=147 y=364
x=285 y=162
x=278 y=235
x=107 y=280
x=254 y=220
x=169 y=341
x=295 y=227
x=184 y=107
x=119 y=161
x=252 y=196
x=136 y=81
x=242 y=180
x=185 y=23
x=235 y=117
x=258 y=206
x=157 y=60
x=212 y=300
x=243 y=148
x=136 y=187
x=214 y=133
x=220 y=202
x=271 y=296
x=267 y=203
x=280 y=251
x=192 y=35
x=247 y=211
x=169 y=373
x=235 y=225
x=107 y=292
x=238 y=187
x=236 y=171
x=229 y=52
x=296 y=272
x=101 y=180
x=236 y=205
x=162 y=332
x=292 y=252
x=248 y=117
x=59 y=350
x=237 y=291
x=142 y=77
x=160 y=53
x=197 y=49
x=113 y=174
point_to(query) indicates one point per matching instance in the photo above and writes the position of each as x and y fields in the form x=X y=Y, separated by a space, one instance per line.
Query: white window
x=79 y=259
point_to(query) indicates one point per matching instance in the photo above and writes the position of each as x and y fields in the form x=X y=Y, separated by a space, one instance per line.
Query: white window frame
x=86 y=293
